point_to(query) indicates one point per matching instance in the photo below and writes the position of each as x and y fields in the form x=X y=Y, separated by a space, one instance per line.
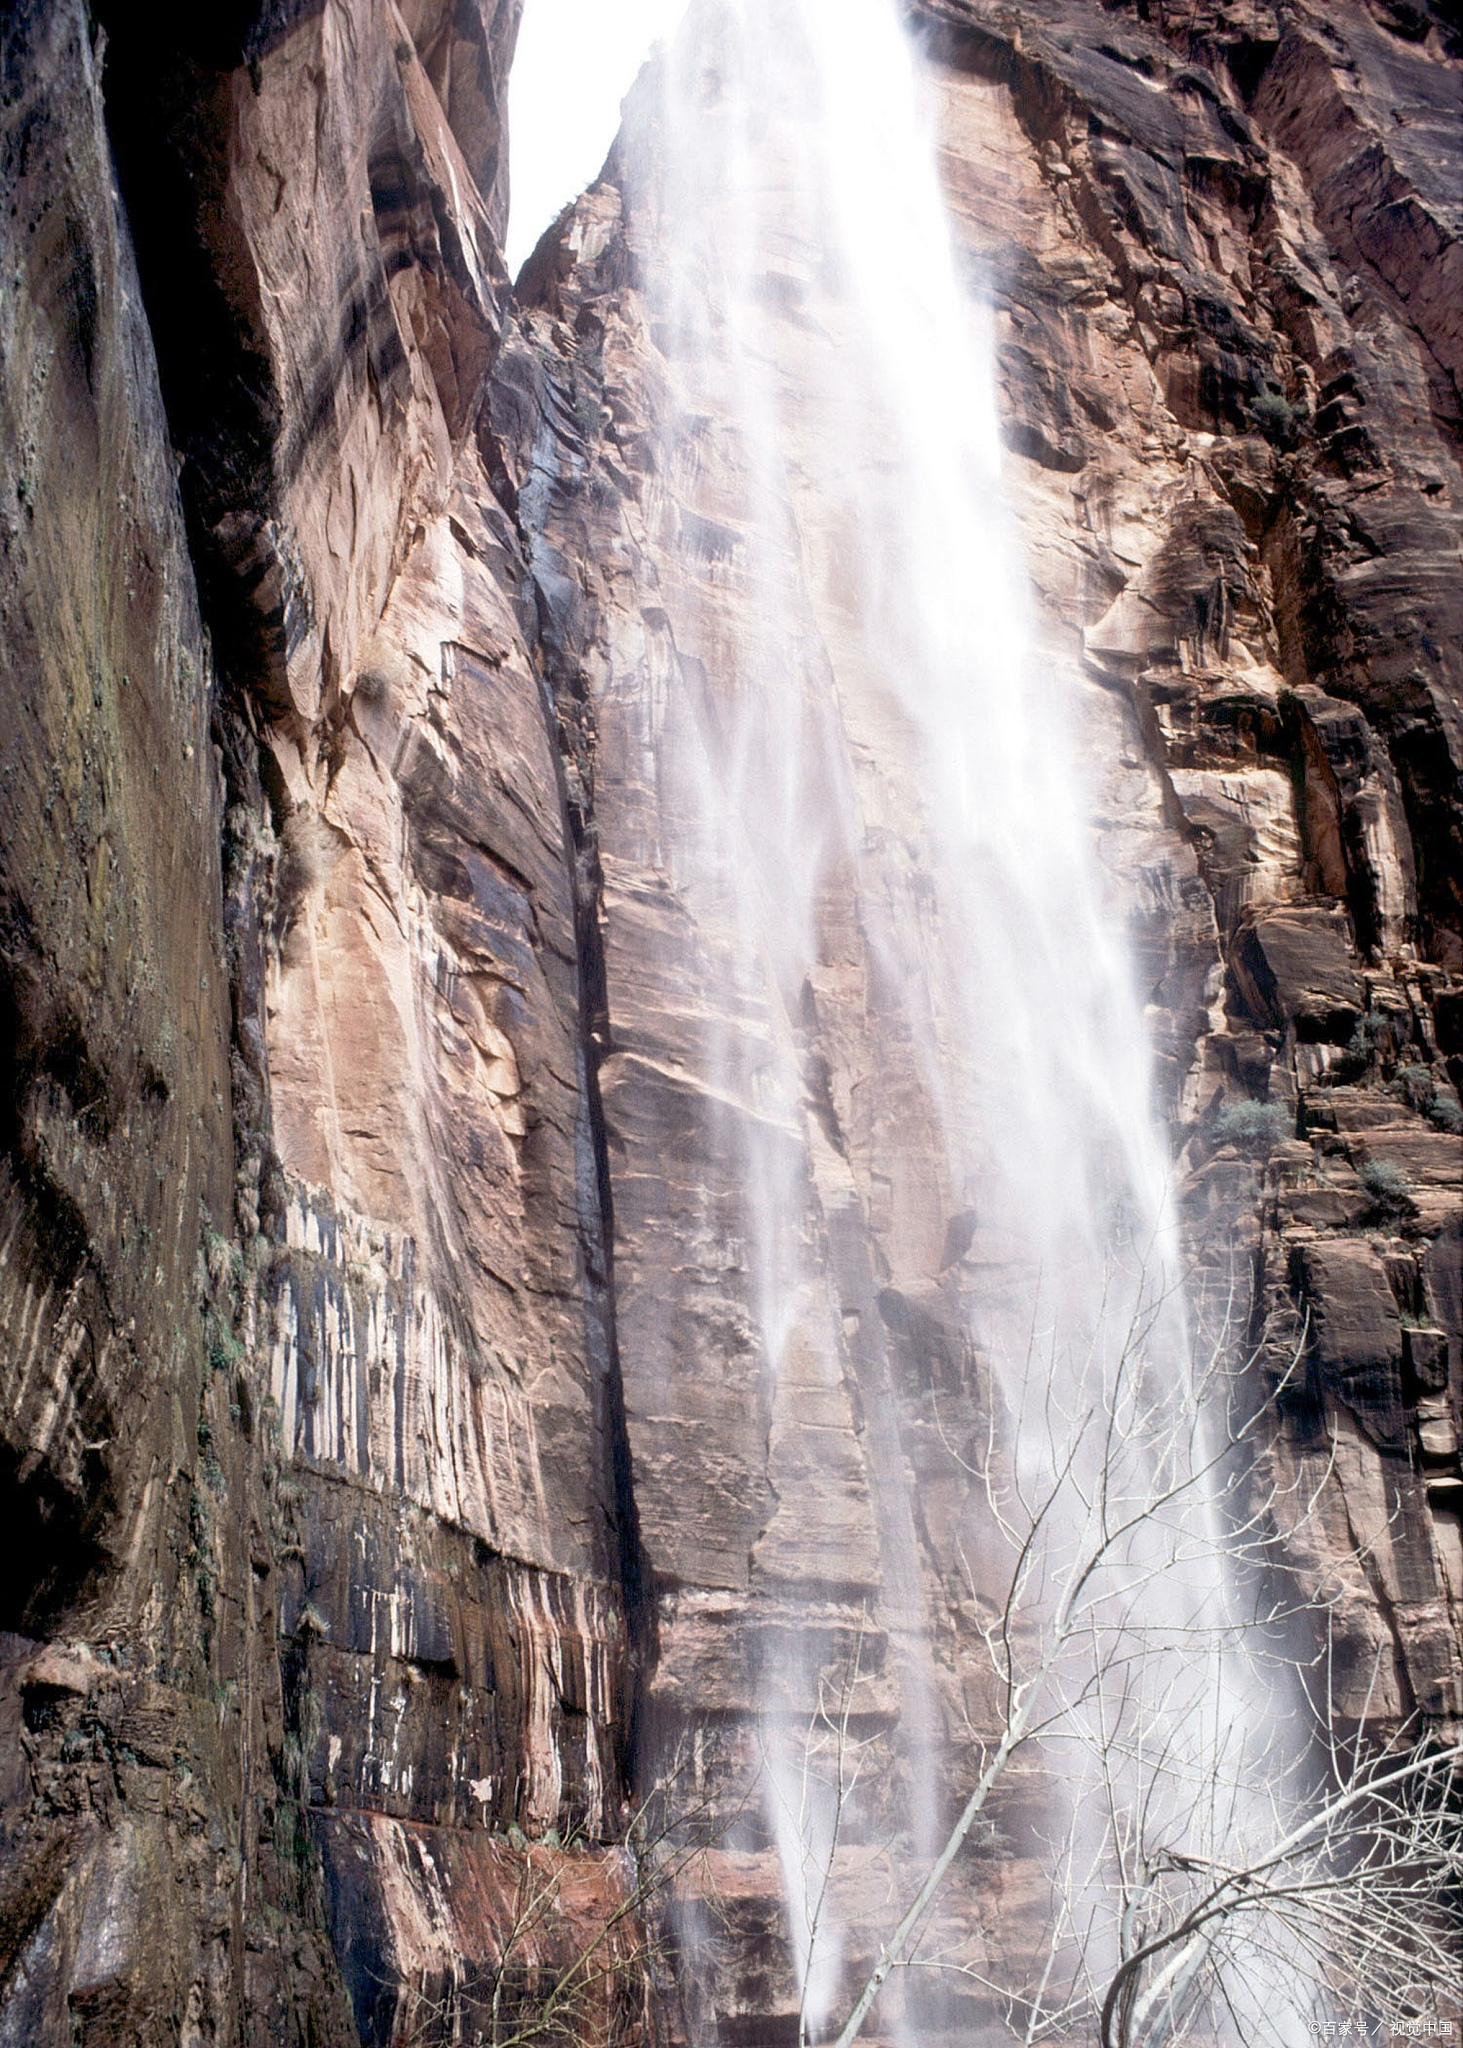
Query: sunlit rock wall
x=1217 y=244
x=416 y=1164
x=1248 y=501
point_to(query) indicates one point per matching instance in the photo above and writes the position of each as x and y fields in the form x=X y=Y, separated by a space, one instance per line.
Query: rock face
x=389 y=1486
x=1260 y=619
x=139 y=1685
x=310 y=1425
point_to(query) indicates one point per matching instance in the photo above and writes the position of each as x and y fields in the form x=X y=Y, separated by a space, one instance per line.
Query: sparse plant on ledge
x=1388 y=1185
x=1256 y=1127
x=1278 y=419
x=1446 y=1112
x=1374 y=1039
x=1413 y=1084
x=1417 y=1085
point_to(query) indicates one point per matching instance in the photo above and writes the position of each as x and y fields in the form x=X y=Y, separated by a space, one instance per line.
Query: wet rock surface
x=309 y=1435
x=1234 y=453
x=1272 y=595
x=387 y=1474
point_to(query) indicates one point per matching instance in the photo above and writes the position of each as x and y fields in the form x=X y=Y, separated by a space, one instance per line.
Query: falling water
x=878 y=730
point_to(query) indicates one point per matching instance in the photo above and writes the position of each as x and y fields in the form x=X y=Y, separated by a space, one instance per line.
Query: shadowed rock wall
x=142 y=1829
x=310 y=1430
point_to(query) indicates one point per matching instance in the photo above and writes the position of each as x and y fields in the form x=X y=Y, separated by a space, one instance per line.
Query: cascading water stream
x=893 y=741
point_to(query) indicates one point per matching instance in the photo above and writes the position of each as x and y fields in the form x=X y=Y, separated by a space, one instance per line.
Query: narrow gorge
x=576 y=1076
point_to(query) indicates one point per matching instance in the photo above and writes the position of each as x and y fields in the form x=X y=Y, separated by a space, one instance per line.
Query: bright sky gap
x=576 y=61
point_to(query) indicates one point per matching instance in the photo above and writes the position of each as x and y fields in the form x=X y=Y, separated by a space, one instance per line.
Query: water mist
x=887 y=737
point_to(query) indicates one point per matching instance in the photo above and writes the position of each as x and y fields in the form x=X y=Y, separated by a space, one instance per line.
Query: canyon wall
x=391 y=1485
x=310 y=1423
x=1216 y=243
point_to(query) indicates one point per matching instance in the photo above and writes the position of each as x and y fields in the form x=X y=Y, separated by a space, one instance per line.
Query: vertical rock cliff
x=390 y=1484
x=1215 y=244
x=310 y=1423
x=120 y=1609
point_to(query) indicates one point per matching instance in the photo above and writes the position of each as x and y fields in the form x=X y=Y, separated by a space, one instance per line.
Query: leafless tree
x=1233 y=1866
x=1354 y=1897
x=544 y=1989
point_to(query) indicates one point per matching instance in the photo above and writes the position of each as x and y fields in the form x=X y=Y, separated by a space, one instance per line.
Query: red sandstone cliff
x=366 y=1515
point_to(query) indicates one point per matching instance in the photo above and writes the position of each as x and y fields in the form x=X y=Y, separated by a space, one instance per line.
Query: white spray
x=896 y=729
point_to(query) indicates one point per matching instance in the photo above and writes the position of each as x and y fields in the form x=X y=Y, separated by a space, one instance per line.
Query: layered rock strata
x=312 y=1418
x=388 y=1475
x=1225 y=356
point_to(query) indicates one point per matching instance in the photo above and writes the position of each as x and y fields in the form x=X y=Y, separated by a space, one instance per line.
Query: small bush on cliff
x=1414 y=1085
x=1417 y=1086
x=1277 y=419
x=1376 y=1037
x=1256 y=1127
x=1388 y=1185
x=1446 y=1112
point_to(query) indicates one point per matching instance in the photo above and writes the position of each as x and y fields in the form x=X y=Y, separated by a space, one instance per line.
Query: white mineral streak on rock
x=1257 y=807
x=424 y=1068
x=370 y=1380
x=541 y=1668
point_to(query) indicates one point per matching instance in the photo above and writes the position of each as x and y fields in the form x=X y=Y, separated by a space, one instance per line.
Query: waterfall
x=864 y=770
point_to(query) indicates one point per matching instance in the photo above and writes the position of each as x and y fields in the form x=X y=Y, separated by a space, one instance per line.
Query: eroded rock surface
x=321 y=1404
x=1233 y=428
x=389 y=1474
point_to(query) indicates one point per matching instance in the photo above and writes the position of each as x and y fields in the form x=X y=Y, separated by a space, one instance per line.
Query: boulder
x=1296 y=965
x=1356 y=1336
